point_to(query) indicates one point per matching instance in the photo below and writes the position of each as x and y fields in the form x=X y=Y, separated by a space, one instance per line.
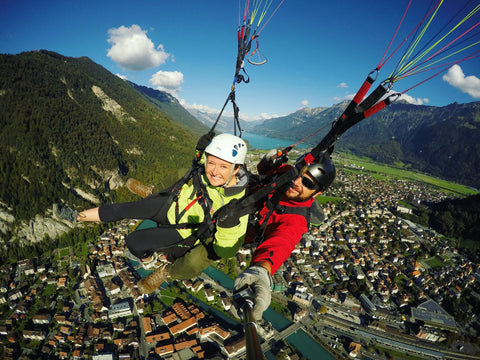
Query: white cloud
x=123 y=77
x=304 y=102
x=467 y=84
x=265 y=116
x=198 y=107
x=133 y=50
x=168 y=81
x=412 y=100
x=342 y=85
x=337 y=99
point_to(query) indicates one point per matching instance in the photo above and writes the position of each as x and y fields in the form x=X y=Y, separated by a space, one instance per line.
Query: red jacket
x=283 y=230
x=282 y=233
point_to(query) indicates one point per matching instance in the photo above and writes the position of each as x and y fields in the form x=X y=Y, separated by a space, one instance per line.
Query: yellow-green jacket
x=226 y=241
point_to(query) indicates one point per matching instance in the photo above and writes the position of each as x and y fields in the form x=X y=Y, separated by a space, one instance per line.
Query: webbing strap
x=366 y=108
x=205 y=228
x=271 y=205
x=247 y=205
x=206 y=203
x=359 y=96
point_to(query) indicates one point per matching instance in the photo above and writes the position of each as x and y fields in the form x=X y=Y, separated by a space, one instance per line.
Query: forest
x=58 y=136
x=455 y=218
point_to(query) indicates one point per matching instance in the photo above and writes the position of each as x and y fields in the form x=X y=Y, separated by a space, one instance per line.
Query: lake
x=266 y=143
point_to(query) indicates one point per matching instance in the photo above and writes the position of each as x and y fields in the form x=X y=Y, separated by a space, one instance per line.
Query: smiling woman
x=220 y=172
x=189 y=234
x=224 y=160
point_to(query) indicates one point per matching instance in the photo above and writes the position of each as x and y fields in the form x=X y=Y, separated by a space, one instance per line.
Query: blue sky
x=319 y=52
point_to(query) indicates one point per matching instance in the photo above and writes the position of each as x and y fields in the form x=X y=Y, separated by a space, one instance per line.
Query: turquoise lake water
x=266 y=143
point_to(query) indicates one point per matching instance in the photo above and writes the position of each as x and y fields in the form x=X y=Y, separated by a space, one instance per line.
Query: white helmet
x=228 y=147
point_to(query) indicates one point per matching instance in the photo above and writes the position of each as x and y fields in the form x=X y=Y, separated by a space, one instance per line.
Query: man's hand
x=259 y=280
x=271 y=160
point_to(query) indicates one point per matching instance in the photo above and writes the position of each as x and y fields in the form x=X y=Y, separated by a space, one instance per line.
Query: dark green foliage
x=455 y=219
x=57 y=136
x=458 y=218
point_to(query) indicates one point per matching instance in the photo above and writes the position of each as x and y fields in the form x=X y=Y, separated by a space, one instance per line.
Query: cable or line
x=414 y=44
x=409 y=67
x=270 y=17
x=428 y=67
x=408 y=36
x=472 y=56
x=393 y=37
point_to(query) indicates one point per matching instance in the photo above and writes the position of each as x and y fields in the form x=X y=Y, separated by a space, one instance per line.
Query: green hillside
x=170 y=106
x=72 y=131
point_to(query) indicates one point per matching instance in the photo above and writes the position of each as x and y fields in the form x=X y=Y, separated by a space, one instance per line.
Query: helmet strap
x=232 y=168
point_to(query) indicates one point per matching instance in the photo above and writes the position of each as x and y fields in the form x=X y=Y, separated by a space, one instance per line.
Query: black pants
x=142 y=243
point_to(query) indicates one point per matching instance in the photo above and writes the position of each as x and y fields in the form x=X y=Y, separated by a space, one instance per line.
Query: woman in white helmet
x=191 y=248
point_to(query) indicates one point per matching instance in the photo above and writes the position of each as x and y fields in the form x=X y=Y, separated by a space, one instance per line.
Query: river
x=305 y=344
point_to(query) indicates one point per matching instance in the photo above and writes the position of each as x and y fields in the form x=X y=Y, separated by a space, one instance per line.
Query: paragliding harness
x=274 y=187
x=259 y=222
x=205 y=229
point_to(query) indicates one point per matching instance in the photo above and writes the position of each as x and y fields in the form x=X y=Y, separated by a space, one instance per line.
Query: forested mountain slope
x=72 y=132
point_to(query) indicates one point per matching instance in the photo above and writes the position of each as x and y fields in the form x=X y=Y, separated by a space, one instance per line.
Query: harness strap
x=179 y=215
x=273 y=206
x=206 y=204
x=298 y=210
x=206 y=228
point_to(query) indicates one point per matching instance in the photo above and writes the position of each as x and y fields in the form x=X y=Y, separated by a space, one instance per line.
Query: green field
x=434 y=262
x=382 y=171
x=64 y=252
x=329 y=199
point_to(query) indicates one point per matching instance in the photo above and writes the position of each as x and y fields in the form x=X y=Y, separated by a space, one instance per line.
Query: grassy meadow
x=381 y=171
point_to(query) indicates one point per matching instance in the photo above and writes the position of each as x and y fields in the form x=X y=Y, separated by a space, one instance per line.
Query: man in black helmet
x=283 y=226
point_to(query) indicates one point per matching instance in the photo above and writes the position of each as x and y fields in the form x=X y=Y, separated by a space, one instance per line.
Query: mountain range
x=72 y=133
x=440 y=141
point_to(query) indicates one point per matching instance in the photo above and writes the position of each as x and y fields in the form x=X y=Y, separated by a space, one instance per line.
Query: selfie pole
x=244 y=302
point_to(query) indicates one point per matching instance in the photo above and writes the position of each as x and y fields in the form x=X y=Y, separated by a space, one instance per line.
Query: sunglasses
x=308 y=183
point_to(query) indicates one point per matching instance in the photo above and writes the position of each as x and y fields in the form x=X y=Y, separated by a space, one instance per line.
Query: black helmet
x=323 y=171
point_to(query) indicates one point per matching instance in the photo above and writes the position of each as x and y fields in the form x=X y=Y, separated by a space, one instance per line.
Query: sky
x=319 y=52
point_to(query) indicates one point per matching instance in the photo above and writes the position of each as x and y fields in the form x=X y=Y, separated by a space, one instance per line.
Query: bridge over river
x=294 y=327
